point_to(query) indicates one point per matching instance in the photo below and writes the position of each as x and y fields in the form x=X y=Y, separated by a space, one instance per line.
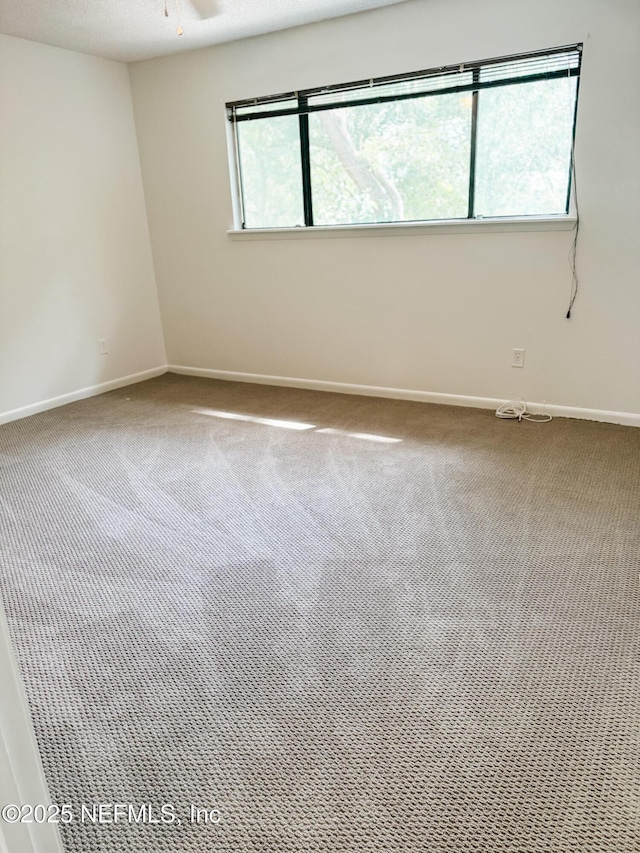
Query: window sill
x=406 y=229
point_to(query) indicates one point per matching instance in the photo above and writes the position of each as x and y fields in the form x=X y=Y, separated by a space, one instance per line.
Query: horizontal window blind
x=472 y=76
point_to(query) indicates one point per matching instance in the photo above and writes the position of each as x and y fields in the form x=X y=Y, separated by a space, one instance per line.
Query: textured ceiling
x=138 y=29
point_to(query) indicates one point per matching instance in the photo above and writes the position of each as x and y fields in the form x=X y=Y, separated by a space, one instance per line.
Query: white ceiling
x=129 y=30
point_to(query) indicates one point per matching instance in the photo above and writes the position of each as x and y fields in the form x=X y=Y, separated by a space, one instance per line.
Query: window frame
x=299 y=105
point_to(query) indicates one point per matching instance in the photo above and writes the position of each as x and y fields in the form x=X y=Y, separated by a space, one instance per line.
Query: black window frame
x=298 y=105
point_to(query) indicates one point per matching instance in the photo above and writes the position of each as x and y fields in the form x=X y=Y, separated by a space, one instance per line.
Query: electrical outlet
x=102 y=346
x=518 y=358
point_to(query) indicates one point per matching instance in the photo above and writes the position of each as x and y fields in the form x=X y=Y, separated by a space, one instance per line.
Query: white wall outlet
x=518 y=358
x=103 y=346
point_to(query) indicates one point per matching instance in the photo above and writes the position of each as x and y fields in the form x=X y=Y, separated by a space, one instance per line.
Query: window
x=472 y=141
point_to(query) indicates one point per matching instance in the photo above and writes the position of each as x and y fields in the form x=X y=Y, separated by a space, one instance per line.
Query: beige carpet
x=394 y=627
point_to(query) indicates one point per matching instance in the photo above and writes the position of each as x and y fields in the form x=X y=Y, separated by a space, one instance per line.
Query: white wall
x=437 y=313
x=75 y=258
x=21 y=775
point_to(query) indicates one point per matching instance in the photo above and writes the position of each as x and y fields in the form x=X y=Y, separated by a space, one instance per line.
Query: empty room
x=319 y=426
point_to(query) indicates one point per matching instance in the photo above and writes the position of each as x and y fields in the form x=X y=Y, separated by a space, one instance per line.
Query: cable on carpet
x=517 y=410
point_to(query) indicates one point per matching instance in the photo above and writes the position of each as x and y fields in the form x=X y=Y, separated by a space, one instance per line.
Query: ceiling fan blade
x=205 y=8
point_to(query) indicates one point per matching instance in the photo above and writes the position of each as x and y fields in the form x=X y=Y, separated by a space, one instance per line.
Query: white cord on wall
x=517 y=410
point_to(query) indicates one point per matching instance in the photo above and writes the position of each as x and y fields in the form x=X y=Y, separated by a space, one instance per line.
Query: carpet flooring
x=343 y=624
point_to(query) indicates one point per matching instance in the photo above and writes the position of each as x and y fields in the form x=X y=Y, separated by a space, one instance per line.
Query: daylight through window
x=477 y=140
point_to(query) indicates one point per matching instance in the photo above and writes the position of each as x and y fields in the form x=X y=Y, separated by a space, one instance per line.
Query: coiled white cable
x=517 y=410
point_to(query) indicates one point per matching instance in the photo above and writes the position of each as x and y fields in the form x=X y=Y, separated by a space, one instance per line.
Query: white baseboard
x=627 y=418
x=83 y=393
